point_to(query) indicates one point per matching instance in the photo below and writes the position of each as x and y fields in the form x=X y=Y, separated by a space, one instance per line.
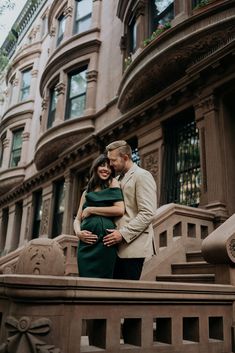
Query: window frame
x=52 y=100
x=61 y=22
x=87 y=17
x=27 y=87
x=16 y=149
x=69 y=100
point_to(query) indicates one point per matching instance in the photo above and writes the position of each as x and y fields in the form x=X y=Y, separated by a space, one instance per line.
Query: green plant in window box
x=160 y=29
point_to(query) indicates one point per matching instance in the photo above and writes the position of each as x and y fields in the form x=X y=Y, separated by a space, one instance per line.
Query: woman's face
x=104 y=171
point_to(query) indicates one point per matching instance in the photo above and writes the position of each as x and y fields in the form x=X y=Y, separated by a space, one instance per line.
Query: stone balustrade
x=53 y=314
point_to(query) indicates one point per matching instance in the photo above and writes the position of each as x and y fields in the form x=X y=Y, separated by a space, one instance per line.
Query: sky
x=8 y=18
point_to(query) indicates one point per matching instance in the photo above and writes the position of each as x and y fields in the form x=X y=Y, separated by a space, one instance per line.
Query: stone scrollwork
x=24 y=336
x=150 y=162
x=231 y=249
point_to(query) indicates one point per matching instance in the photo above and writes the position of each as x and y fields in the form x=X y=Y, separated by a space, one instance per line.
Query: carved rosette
x=231 y=249
x=24 y=336
x=60 y=88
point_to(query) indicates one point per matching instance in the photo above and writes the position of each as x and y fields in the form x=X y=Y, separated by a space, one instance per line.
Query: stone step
x=191 y=278
x=199 y=267
x=194 y=256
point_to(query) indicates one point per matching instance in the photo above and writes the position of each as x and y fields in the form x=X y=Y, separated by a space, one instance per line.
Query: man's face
x=117 y=161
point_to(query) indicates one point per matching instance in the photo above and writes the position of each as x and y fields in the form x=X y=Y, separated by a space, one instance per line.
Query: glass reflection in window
x=61 y=29
x=52 y=107
x=16 y=148
x=83 y=16
x=25 y=85
x=77 y=94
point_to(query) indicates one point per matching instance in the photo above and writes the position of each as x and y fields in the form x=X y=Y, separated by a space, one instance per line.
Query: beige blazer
x=140 y=198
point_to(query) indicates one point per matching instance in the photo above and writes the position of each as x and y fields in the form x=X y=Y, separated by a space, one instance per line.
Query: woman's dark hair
x=95 y=181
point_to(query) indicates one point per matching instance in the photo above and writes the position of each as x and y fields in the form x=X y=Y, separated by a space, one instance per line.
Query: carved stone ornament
x=150 y=162
x=24 y=336
x=41 y=256
x=231 y=249
x=45 y=217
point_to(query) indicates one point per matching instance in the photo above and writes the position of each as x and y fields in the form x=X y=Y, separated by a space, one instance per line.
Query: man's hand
x=87 y=237
x=113 y=238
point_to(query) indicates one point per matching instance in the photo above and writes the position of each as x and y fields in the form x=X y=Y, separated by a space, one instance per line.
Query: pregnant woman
x=100 y=203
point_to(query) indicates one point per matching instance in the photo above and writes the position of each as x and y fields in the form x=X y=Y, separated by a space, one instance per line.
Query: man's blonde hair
x=122 y=147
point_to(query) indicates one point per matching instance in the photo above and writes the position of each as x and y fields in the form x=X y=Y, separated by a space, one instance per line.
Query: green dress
x=97 y=260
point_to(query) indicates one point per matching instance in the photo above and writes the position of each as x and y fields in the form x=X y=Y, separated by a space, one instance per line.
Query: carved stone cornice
x=52 y=31
x=208 y=104
x=151 y=73
x=68 y=11
x=44 y=104
x=60 y=88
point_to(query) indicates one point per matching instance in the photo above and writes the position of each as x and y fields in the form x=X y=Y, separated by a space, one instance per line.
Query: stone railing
x=50 y=314
x=177 y=229
x=68 y=244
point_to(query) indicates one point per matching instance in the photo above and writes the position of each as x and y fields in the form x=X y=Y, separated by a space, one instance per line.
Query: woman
x=100 y=203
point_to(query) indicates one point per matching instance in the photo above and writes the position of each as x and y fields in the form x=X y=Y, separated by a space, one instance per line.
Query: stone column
x=6 y=153
x=47 y=211
x=182 y=9
x=213 y=187
x=7 y=150
x=33 y=84
x=45 y=107
x=14 y=92
x=10 y=229
x=68 y=12
x=96 y=13
x=2 y=233
x=27 y=221
x=91 y=77
x=24 y=150
x=67 y=226
x=150 y=150
x=140 y=22
x=60 y=106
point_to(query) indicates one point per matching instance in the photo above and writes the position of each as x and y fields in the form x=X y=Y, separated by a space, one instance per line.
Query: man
x=134 y=233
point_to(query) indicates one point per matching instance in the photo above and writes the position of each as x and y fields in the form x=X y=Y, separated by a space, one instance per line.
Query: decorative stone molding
x=150 y=162
x=6 y=142
x=34 y=73
x=41 y=256
x=44 y=104
x=52 y=31
x=91 y=75
x=208 y=104
x=25 y=136
x=45 y=217
x=60 y=88
x=25 y=336
x=15 y=82
x=140 y=8
x=68 y=11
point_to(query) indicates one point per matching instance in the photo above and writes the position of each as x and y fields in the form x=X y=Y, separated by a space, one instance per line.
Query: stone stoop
x=194 y=270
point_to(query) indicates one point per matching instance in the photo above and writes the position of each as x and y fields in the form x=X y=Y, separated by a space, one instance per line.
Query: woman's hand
x=87 y=212
x=87 y=237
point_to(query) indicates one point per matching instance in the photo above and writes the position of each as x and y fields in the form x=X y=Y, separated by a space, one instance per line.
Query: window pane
x=52 y=107
x=16 y=148
x=77 y=106
x=182 y=163
x=25 y=86
x=61 y=29
x=83 y=16
x=78 y=84
x=162 y=12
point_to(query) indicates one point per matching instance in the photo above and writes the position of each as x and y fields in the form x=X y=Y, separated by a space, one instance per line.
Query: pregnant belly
x=98 y=225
